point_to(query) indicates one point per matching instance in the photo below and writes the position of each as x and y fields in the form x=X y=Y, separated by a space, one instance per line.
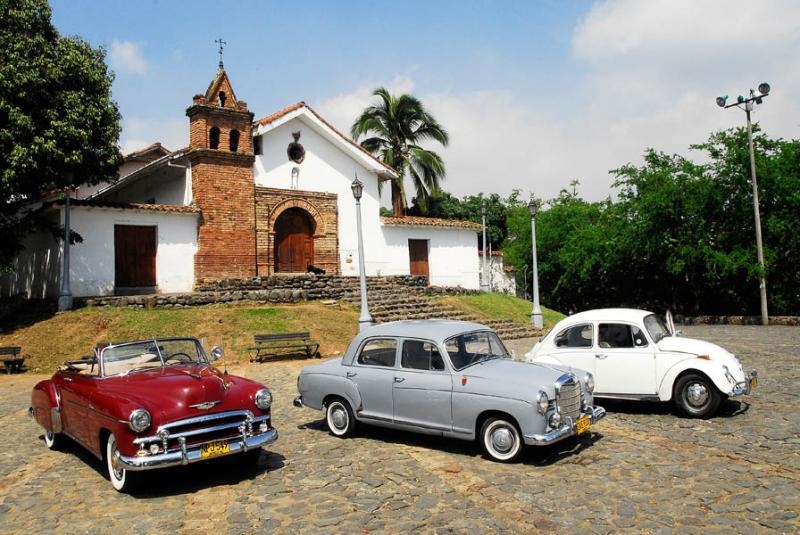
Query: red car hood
x=173 y=392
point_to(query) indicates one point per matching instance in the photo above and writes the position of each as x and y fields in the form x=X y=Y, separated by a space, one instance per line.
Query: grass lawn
x=49 y=339
x=501 y=307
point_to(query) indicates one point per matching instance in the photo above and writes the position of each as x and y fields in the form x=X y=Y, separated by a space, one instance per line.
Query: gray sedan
x=453 y=379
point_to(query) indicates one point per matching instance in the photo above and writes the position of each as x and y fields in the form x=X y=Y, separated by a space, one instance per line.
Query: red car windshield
x=126 y=358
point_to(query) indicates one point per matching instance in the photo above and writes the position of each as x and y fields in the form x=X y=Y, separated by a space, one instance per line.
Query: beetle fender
x=46 y=405
x=709 y=368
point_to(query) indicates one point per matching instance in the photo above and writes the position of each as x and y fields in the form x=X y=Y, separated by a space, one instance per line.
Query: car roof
x=434 y=330
x=606 y=314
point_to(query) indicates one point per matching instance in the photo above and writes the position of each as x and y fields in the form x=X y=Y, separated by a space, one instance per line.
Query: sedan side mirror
x=216 y=353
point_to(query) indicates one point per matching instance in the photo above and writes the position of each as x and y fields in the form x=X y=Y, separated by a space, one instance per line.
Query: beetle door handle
x=351 y=374
x=399 y=379
x=601 y=356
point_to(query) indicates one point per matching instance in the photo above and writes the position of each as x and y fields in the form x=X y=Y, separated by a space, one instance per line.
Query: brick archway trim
x=313 y=211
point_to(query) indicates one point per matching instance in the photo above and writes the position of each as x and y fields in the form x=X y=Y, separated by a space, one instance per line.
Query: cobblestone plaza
x=643 y=469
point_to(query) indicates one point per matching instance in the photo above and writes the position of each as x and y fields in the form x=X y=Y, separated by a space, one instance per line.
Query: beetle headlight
x=263 y=399
x=139 y=420
x=589 y=380
x=542 y=402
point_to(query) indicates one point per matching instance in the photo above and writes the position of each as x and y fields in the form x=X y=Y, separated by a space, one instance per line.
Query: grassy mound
x=50 y=339
x=501 y=307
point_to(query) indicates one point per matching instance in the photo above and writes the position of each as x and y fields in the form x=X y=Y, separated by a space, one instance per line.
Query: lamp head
x=721 y=101
x=764 y=88
x=532 y=206
x=358 y=188
x=740 y=99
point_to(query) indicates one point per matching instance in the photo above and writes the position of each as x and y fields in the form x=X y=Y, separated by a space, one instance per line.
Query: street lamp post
x=65 y=297
x=364 y=320
x=536 y=313
x=756 y=97
x=484 y=268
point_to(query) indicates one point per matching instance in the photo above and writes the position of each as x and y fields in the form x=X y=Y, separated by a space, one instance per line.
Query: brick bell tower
x=221 y=158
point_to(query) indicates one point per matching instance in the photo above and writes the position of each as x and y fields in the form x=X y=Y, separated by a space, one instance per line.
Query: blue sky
x=534 y=93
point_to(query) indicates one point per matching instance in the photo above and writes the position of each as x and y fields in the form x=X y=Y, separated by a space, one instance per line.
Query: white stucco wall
x=452 y=254
x=326 y=168
x=37 y=269
x=452 y=259
x=500 y=281
x=167 y=185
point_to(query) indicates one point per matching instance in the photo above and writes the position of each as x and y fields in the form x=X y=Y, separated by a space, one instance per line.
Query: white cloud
x=650 y=73
x=139 y=132
x=127 y=57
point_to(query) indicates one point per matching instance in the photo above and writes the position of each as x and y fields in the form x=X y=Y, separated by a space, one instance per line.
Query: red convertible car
x=152 y=404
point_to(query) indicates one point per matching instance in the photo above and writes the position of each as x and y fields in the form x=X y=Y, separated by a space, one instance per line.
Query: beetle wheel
x=501 y=440
x=696 y=397
x=340 y=419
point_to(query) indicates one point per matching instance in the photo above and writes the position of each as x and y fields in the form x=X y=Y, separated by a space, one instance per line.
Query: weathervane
x=221 y=46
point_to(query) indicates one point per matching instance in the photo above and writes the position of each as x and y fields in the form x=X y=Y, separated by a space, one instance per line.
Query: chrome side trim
x=567 y=430
x=188 y=455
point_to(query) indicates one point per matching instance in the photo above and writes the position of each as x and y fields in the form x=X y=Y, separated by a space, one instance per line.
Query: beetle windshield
x=656 y=327
x=471 y=348
x=126 y=358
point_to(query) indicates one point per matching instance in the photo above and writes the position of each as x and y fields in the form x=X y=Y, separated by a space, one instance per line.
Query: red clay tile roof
x=155 y=147
x=414 y=221
x=285 y=111
x=172 y=208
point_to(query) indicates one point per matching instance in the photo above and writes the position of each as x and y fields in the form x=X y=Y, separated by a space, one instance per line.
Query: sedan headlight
x=139 y=420
x=589 y=380
x=263 y=399
x=542 y=402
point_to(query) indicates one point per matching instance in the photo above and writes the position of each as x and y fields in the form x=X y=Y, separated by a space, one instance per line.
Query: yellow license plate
x=753 y=383
x=213 y=449
x=583 y=424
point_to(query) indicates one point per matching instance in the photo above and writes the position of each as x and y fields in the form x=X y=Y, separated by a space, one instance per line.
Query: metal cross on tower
x=221 y=47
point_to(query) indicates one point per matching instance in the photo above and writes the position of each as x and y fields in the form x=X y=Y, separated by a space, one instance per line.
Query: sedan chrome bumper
x=298 y=401
x=744 y=388
x=186 y=455
x=567 y=430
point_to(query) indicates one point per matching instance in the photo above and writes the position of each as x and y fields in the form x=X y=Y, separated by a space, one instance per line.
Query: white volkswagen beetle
x=634 y=354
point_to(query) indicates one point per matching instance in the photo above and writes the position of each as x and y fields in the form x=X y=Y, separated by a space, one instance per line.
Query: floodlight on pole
x=747 y=104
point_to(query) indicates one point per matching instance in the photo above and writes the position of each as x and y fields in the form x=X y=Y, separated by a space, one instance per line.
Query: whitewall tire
x=501 y=440
x=339 y=418
x=121 y=479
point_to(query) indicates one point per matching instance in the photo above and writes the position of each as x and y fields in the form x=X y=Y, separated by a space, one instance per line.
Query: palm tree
x=397 y=124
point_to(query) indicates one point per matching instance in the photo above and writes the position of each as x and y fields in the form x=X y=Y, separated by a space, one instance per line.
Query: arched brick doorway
x=294 y=241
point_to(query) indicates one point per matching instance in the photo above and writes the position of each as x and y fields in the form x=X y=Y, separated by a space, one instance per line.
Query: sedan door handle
x=399 y=379
x=68 y=379
x=601 y=356
x=351 y=374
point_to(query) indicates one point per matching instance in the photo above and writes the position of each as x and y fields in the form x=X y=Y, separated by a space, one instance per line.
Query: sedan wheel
x=501 y=440
x=121 y=479
x=340 y=418
x=696 y=397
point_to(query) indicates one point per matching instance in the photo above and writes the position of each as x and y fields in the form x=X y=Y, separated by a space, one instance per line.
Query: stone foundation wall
x=736 y=320
x=276 y=289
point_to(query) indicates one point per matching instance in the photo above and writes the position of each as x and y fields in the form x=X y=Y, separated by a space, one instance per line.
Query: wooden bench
x=274 y=345
x=11 y=359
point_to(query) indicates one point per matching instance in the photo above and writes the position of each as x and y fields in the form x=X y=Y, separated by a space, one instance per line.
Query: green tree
x=396 y=126
x=58 y=124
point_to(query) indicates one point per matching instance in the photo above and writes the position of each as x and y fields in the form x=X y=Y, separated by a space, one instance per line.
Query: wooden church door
x=294 y=241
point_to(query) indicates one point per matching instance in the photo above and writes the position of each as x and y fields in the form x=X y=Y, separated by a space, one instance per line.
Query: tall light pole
x=484 y=268
x=756 y=97
x=65 y=297
x=364 y=320
x=536 y=313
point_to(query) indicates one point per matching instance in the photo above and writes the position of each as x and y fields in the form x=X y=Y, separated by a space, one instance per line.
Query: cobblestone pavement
x=642 y=470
